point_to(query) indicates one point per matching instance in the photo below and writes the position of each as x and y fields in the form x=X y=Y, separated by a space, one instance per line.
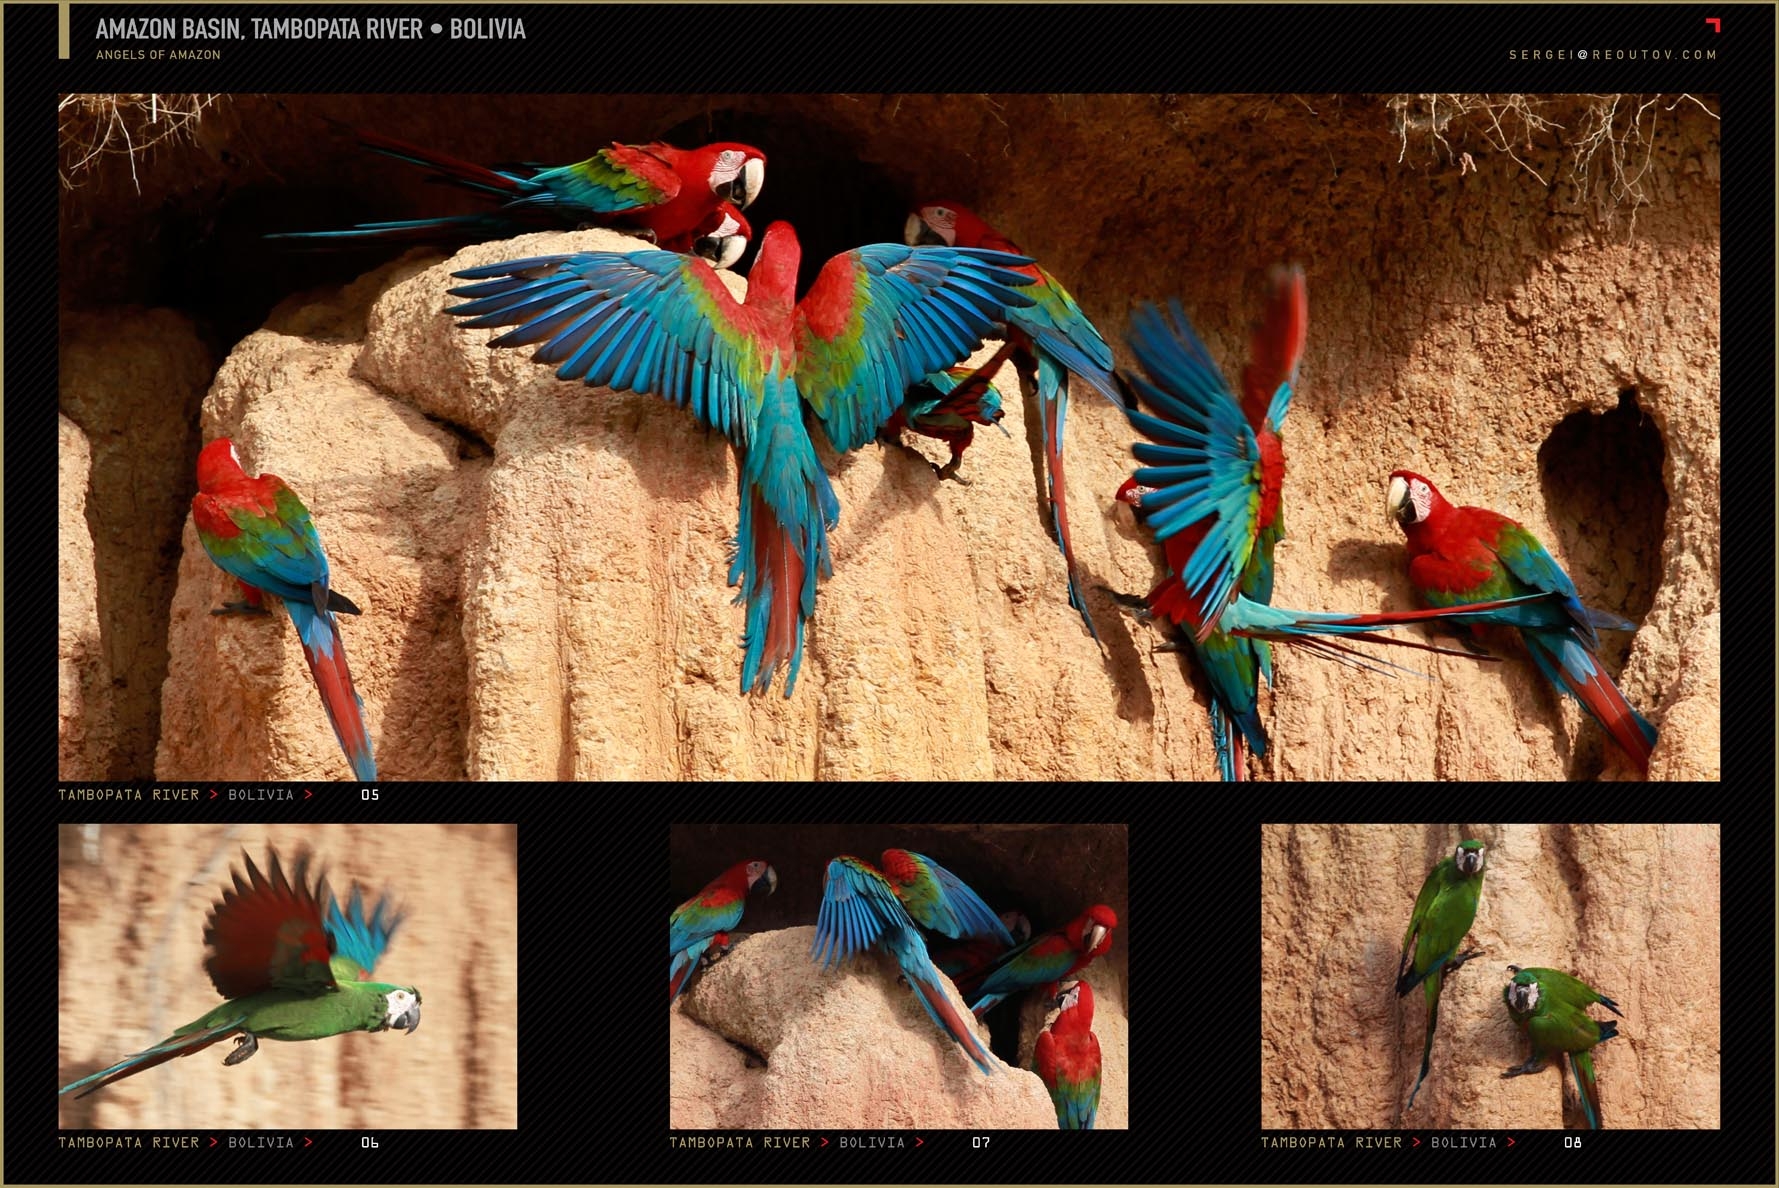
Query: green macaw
x=1550 y=1006
x=1443 y=913
x=292 y=965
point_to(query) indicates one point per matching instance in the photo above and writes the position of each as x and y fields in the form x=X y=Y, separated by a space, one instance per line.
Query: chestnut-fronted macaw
x=664 y=192
x=258 y=531
x=1550 y=1006
x=863 y=906
x=1443 y=913
x=1047 y=958
x=1067 y=1058
x=1463 y=555
x=875 y=321
x=709 y=915
x=1047 y=340
x=292 y=964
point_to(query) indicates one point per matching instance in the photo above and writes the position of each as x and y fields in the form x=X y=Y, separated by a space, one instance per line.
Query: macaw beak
x=722 y=251
x=916 y=233
x=771 y=880
x=409 y=1020
x=1094 y=935
x=1395 y=499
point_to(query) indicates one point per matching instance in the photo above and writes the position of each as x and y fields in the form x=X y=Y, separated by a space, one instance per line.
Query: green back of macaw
x=293 y=1015
x=1444 y=912
x=1560 y=1022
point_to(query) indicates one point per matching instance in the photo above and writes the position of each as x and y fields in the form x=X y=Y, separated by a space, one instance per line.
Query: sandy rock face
x=83 y=688
x=1630 y=909
x=847 y=1048
x=132 y=905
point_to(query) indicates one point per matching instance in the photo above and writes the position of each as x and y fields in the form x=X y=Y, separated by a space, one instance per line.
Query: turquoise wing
x=621 y=178
x=652 y=322
x=1059 y=329
x=882 y=317
x=359 y=941
x=858 y=906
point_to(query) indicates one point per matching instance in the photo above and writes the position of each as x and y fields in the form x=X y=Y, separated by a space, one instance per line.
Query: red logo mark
x=1417 y=1141
x=919 y=1142
x=1716 y=24
x=307 y=1141
x=1510 y=1140
x=307 y=794
x=824 y=1142
x=213 y=794
x=212 y=1140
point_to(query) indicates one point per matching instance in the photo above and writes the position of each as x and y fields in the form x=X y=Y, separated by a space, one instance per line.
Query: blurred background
x=133 y=900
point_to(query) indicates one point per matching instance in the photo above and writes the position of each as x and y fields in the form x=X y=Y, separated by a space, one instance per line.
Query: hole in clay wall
x=1601 y=476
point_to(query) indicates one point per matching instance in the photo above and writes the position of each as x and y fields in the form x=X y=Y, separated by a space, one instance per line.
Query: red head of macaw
x=665 y=192
x=1047 y=341
x=722 y=237
x=1067 y=1058
x=1047 y=958
x=875 y=321
x=259 y=532
x=1463 y=555
x=707 y=917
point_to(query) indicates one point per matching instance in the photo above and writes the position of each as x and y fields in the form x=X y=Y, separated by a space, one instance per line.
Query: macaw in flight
x=259 y=532
x=876 y=320
x=1463 y=555
x=1067 y=1058
x=702 y=923
x=667 y=194
x=292 y=965
x=863 y=905
x=1550 y=1006
x=1046 y=340
x=1443 y=913
x=1045 y=959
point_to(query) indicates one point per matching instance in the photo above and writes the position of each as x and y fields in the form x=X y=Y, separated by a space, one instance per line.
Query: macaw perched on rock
x=293 y=966
x=1462 y=555
x=1046 y=340
x=665 y=193
x=979 y=952
x=1444 y=911
x=1067 y=1058
x=706 y=918
x=259 y=532
x=876 y=320
x=1551 y=1008
x=1047 y=958
x=863 y=906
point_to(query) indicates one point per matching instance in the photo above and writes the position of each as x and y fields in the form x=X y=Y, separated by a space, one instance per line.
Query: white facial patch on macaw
x=738 y=177
x=1525 y=997
x=943 y=221
x=1469 y=861
x=1071 y=994
x=398 y=1004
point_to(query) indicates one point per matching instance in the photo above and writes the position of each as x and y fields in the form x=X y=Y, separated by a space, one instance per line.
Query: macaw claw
x=949 y=471
x=239 y=608
x=1452 y=965
x=1530 y=1066
x=246 y=1044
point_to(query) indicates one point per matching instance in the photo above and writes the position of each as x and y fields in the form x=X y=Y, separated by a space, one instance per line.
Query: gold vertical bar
x=62 y=36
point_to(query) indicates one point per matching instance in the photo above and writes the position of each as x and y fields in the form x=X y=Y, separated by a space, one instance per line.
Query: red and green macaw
x=1463 y=555
x=875 y=321
x=1067 y=1059
x=1047 y=958
x=293 y=966
x=259 y=532
x=863 y=906
x=704 y=920
x=1550 y=1006
x=1047 y=340
x=667 y=193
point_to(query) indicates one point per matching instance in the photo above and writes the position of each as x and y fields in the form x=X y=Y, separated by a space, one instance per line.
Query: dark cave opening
x=1601 y=476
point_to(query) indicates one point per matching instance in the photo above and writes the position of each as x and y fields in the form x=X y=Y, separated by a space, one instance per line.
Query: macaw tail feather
x=787 y=507
x=1574 y=669
x=453 y=170
x=933 y=997
x=679 y=969
x=444 y=227
x=179 y=1045
x=1432 y=984
x=1227 y=742
x=1053 y=408
x=326 y=654
x=1581 y=1067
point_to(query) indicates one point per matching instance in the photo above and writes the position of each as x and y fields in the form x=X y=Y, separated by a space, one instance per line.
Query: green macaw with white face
x=292 y=965
x=1550 y=1006
x=1444 y=911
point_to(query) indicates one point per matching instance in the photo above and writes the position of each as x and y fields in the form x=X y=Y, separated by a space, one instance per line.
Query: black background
x=593 y=859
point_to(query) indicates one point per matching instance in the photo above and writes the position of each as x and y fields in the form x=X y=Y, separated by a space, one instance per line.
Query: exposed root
x=94 y=126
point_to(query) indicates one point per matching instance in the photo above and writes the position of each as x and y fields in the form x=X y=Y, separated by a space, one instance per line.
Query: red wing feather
x=269 y=934
x=1277 y=344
